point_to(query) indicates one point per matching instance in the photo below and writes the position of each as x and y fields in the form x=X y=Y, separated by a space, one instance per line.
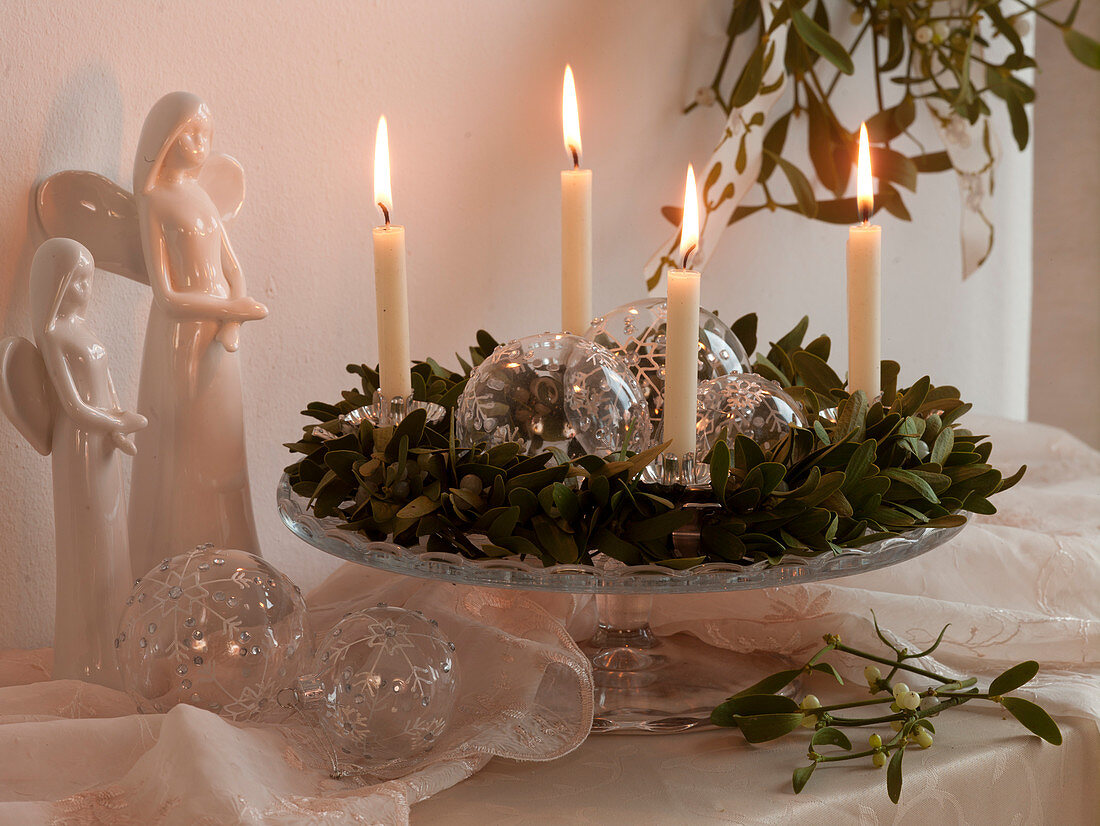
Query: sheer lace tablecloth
x=1021 y=584
x=75 y=753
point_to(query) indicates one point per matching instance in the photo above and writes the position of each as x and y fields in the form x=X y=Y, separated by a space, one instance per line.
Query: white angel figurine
x=190 y=479
x=60 y=396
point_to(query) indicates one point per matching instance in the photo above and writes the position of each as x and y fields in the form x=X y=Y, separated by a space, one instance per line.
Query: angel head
x=175 y=139
x=61 y=283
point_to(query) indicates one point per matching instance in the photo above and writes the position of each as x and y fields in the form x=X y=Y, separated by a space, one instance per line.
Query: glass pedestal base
x=646 y=684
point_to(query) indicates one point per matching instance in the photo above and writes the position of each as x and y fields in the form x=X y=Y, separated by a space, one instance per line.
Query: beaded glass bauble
x=747 y=404
x=556 y=392
x=635 y=332
x=389 y=684
x=215 y=628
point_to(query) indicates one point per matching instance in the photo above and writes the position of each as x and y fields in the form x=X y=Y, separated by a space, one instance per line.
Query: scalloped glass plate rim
x=513 y=572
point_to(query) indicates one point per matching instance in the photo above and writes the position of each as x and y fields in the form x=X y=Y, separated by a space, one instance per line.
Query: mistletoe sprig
x=921 y=51
x=953 y=61
x=860 y=472
x=763 y=714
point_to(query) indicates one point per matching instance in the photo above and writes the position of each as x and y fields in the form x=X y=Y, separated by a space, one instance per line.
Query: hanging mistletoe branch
x=934 y=57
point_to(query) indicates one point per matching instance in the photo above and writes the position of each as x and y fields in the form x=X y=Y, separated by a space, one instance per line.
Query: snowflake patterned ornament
x=384 y=686
x=747 y=404
x=635 y=332
x=215 y=628
x=556 y=392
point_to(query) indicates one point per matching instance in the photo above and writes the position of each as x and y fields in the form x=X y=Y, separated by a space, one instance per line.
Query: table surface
x=981 y=769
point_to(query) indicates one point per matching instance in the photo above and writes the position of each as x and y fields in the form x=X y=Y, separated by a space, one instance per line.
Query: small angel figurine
x=190 y=479
x=59 y=394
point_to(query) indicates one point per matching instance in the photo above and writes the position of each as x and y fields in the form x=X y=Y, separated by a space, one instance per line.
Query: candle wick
x=865 y=214
x=576 y=157
x=385 y=212
x=687 y=254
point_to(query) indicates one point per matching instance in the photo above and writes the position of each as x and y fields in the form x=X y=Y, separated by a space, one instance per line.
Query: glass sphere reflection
x=635 y=332
x=747 y=404
x=389 y=678
x=553 y=391
x=216 y=628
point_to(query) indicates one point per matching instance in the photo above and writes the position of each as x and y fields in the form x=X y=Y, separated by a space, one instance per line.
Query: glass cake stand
x=644 y=683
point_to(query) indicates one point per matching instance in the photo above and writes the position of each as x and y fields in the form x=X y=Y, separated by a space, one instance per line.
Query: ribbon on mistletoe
x=938 y=53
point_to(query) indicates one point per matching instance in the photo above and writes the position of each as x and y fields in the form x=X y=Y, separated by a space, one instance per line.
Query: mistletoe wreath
x=861 y=471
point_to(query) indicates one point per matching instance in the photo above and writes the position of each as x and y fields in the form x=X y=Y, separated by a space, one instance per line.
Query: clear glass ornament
x=557 y=392
x=747 y=404
x=215 y=628
x=635 y=332
x=386 y=682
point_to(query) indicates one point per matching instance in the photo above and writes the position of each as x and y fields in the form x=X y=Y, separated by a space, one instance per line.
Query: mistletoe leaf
x=1018 y=117
x=893 y=775
x=753 y=704
x=760 y=728
x=748 y=84
x=1005 y=28
x=771 y=684
x=793 y=339
x=832 y=737
x=774 y=140
x=1014 y=677
x=929 y=162
x=1033 y=718
x=886 y=125
x=1082 y=47
x=827 y=668
x=889 y=165
x=895 y=44
x=745 y=330
x=719 y=469
x=801 y=776
x=745 y=13
x=800 y=185
x=817 y=375
x=821 y=41
x=912 y=480
x=820 y=131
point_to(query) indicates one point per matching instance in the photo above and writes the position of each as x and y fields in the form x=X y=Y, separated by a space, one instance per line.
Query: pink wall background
x=472 y=94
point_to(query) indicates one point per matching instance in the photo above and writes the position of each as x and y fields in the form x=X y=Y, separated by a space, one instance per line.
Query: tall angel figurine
x=190 y=478
x=59 y=394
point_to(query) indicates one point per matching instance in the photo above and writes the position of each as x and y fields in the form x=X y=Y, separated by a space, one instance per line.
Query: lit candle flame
x=865 y=191
x=382 y=195
x=570 y=120
x=689 y=235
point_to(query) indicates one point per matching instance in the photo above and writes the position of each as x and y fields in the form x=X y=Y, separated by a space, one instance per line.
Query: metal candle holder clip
x=383 y=412
x=677 y=469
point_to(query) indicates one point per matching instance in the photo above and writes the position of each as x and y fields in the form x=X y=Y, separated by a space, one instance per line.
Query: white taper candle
x=390 y=285
x=682 y=335
x=576 y=221
x=864 y=285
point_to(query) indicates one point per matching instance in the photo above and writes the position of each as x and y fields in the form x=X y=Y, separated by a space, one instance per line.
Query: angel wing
x=99 y=214
x=26 y=395
x=223 y=179
x=103 y=216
